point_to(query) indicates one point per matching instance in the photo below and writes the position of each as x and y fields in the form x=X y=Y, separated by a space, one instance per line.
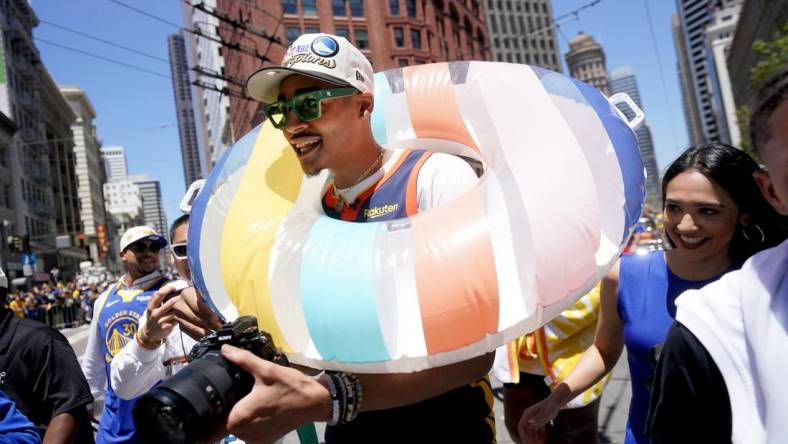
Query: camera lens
x=189 y=405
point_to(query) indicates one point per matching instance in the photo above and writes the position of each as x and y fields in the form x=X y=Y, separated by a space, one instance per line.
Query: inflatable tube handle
x=191 y=194
x=639 y=118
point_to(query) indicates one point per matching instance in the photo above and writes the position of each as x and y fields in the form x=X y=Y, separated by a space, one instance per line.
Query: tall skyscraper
x=719 y=36
x=586 y=62
x=390 y=33
x=90 y=174
x=187 y=128
x=211 y=106
x=152 y=205
x=689 y=105
x=695 y=16
x=521 y=32
x=114 y=158
x=623 y=80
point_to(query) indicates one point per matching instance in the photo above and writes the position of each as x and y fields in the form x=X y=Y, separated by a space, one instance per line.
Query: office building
x=391 y=34
x=187 y=126
x=521 y=31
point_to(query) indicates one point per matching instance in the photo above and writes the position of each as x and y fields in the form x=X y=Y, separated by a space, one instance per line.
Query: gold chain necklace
x=340 y=201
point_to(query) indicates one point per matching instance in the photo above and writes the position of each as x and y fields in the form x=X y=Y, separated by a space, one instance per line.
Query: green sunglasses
x=307 y=105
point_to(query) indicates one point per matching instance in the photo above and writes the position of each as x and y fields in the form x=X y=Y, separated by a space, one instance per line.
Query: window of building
x=399 y=37
x=411 y=6
x=403 y=62
x=544 y=7
x=509 y=58
x=309 y=7
x=506 y=43
x=289 y=6
x=497 y=43
x=292 y=33
x=527 y=7
x=527 y=56
x=343 y=32
x=518 y=57
x=415 y=38
x=311 y=30
x=339 y=8
x=516 y=43
x=511 y=24
x=508 y=6
x=499 y=57
x=357 y=8
x=362 y=39
x=493 y=24
x=394 y=8
x=503 y=25
x=522 y=24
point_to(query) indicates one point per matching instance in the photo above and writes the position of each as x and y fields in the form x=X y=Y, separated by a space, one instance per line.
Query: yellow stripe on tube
x=267 y=191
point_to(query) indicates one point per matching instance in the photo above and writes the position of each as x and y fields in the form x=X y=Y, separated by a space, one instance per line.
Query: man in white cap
x=39 y=372
x=116 y=315
x=322 y=98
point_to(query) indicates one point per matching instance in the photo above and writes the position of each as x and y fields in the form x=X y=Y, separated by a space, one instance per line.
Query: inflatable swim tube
x=562 y=189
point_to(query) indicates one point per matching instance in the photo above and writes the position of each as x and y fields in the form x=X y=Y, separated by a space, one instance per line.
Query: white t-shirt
x=742 y=321
x=442 y=178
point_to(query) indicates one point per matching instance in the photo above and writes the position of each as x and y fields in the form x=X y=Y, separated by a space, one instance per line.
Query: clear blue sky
x=132 y=106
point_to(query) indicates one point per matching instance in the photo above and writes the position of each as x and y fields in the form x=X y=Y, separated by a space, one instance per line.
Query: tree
x=772 y=56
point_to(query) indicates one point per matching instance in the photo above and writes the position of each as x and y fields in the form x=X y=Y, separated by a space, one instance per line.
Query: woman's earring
x=757 y=237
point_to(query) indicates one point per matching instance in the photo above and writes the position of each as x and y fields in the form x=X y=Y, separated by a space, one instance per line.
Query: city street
x=612 y=412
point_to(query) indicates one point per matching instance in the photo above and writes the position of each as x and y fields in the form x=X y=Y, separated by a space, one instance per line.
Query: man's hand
x=161 y=318
x=193 y=315
x=282 y=399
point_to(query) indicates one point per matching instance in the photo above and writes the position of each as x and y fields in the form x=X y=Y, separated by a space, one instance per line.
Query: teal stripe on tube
x=382 y=93
x=338 y=291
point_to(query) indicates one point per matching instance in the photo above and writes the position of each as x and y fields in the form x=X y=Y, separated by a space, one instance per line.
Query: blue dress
x=647 y=292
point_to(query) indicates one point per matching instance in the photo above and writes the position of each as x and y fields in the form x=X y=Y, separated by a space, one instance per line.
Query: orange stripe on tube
x=432 y=106
x=454 y=267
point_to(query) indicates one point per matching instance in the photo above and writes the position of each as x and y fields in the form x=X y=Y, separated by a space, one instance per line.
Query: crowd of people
x=63 y=304
x=704 y=321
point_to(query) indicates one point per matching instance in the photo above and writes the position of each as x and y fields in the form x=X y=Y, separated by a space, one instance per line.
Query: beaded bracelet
x=346 y=396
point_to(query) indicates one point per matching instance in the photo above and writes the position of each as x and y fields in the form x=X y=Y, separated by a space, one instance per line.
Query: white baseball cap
x=138 y=233
x=3 y=279
x=322 y=56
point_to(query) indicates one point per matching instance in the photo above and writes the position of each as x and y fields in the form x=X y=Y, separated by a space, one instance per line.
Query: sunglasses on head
x=141 y=247
x=179 y=250
x=307 y=105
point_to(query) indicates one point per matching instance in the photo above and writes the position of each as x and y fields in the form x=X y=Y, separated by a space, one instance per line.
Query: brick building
x=390 y=33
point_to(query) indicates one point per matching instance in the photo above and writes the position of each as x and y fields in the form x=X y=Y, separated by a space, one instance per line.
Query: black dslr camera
x=189 y=405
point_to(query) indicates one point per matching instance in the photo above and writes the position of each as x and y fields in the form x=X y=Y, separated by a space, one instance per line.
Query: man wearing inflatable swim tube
x=322 y=98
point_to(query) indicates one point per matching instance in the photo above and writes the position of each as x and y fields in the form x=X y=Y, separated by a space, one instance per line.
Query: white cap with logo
x=322 y=56
x=138 y=233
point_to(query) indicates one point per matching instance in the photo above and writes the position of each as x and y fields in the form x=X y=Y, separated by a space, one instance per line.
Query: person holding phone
x=142 y=364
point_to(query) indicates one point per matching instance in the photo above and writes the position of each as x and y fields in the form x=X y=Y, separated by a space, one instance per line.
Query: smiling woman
x=715 y=218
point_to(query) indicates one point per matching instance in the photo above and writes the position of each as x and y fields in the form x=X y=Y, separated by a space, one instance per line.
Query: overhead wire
x=107 y=42
x=106 y=59
x=573 y=15
x=661 y=73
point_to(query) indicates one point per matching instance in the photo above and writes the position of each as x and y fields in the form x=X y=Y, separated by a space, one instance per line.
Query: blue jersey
x=647 y=292
x=117 y=325
x=392 y=197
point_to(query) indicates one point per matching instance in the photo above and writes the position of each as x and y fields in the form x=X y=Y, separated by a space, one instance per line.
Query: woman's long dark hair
x=732 y=169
